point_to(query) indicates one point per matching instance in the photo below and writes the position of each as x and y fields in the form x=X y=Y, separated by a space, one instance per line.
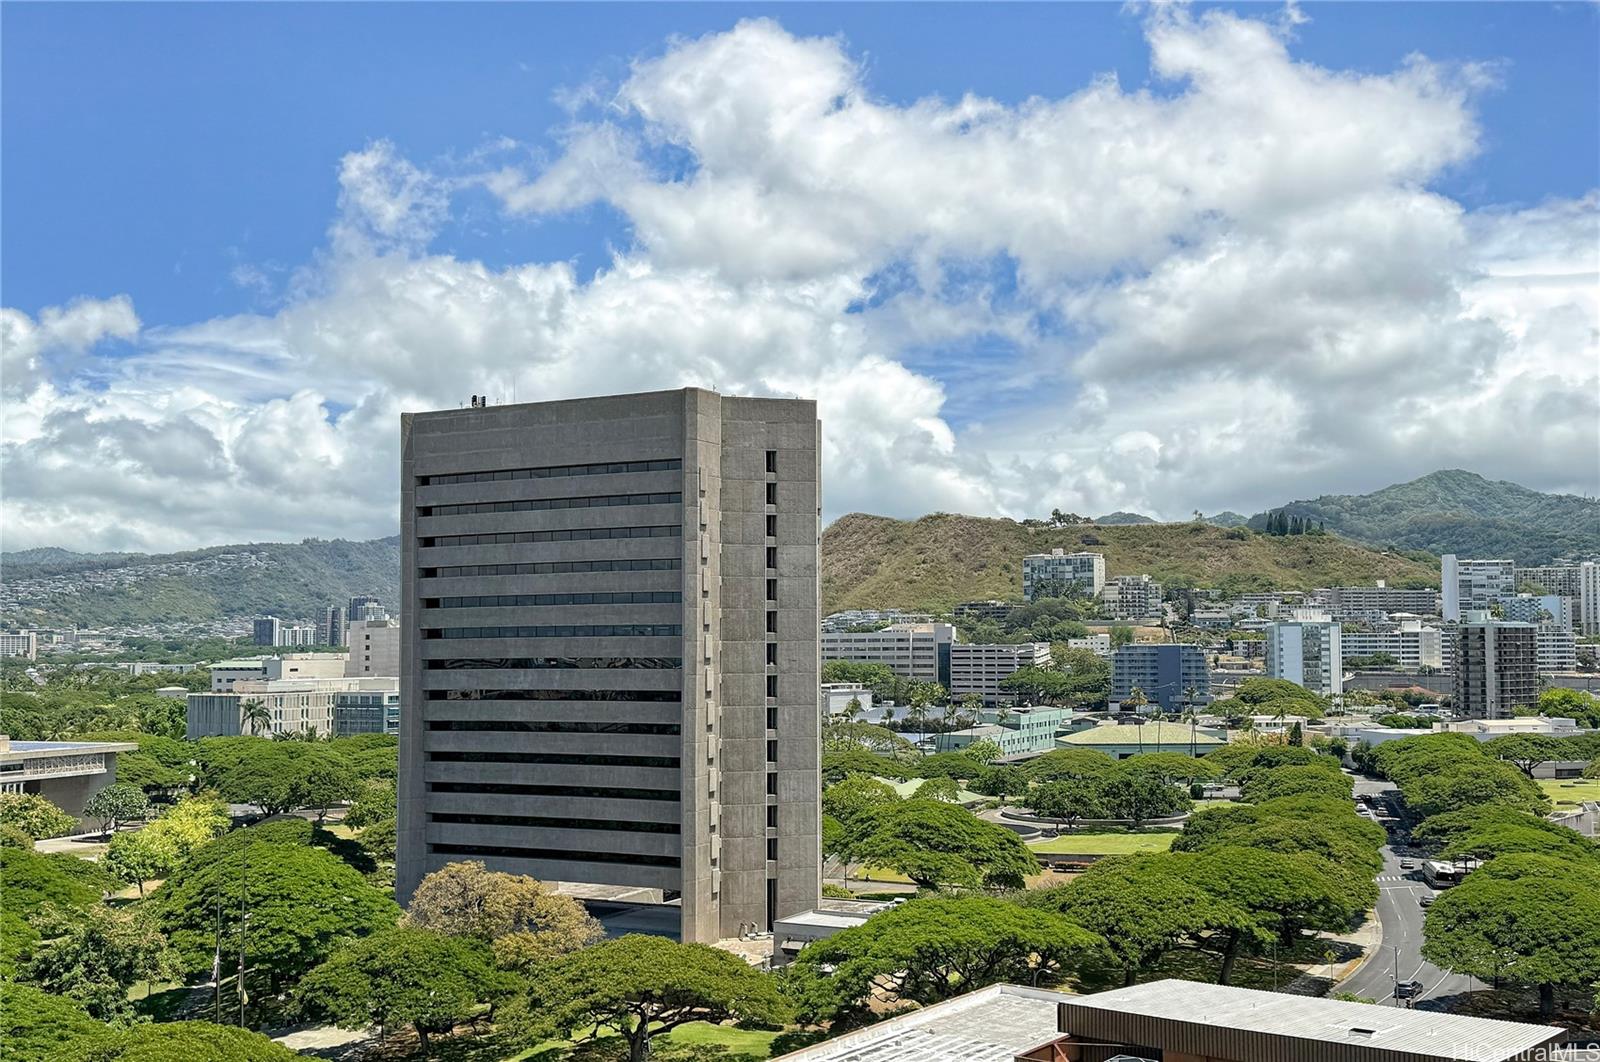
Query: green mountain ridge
x=294 y=581
x=1454 y=511
x=940 y=560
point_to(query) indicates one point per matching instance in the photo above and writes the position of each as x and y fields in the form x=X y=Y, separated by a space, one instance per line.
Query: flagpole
x=216 y=965
x=244 y=919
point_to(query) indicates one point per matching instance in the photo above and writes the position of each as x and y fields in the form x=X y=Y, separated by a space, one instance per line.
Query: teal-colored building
x=1024 y=731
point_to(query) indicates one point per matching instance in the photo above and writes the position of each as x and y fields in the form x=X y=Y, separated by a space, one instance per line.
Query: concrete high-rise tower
x=609 y=659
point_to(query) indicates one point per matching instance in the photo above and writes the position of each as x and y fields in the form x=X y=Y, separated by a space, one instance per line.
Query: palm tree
x=254 y=716
x=852 y=709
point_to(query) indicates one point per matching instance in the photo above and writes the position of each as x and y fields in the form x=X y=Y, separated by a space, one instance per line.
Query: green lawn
x=707 y=1040
x=1571 y=791
x=1104 y=843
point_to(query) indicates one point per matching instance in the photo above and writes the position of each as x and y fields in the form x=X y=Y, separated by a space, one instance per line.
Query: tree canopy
x=933 y=948
x=1141 y=906
x=523 y=920
x=94 y=955
x=34 y=815
x=1484 y=831
x=1532 y=919
x=642 y=986
x=34 y=1024
x=178 y=1041
x=936 y=844
x=302 y=902
x=404 y=976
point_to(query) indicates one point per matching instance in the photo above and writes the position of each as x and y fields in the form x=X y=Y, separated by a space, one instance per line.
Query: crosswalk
x=1394 y=877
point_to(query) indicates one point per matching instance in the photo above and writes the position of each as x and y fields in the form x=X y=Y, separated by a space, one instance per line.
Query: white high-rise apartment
x=1555 y=647
x=1059 y=572
x=25 y=645
x=1308 y=652
x=1412 y=645
x=1474 y=585
x=1589 y=598
x=1133 y=597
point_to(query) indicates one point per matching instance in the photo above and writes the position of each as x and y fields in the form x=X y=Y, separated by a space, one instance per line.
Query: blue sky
x=149 y=149
x=1026 y=256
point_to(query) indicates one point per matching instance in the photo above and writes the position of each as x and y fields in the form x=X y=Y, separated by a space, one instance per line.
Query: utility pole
x=1397 y=976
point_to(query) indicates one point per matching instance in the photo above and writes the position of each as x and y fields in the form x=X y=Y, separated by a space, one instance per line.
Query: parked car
x=1427 y=899
x=1408 y=864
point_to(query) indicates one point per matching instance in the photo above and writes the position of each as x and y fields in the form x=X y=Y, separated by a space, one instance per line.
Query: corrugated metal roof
x=991 y=1025
x=1427 y=1034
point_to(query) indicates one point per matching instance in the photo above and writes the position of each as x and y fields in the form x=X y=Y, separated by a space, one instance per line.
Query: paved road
x=1402 y=914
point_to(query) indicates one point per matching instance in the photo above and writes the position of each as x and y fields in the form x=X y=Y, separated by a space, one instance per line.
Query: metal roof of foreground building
x=1222 y=1021
x=993 y=1024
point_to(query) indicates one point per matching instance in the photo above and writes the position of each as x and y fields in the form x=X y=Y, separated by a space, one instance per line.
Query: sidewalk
x=1368 y=937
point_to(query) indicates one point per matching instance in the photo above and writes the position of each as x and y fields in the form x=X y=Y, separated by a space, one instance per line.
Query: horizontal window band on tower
x=553 y=726
x=547 y=822
x=662 y=696
x=561 y=630
x=551 y=472
x=654 y=564
x=621 y=597
x=573 y=759
x=560 y=663
x=577 y=534
x=586 y=792
x=507 y=852
x=539 y=505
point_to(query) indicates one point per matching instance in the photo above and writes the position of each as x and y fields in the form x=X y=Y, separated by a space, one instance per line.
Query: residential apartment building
x=363 y=607
x=1589 y=598
x=1412 y=644
x=996 y=611
x=332 y=627
x=1542 y=608
x=366 y=712
x=1172 y=675
x=1474 y=585
x=1098 y=644
x=269 y=630
x=1133 y=597
x=1058 y=573
x=294 y=706
x=609 y=656
x=870 y=618
x=1307 y=651
x=1366 y=603
x=979 y=669
x=24 y=644
x=265 y=630
x=1555 y=648
x=919 y=652
x=1496 y=667
x=374 y=648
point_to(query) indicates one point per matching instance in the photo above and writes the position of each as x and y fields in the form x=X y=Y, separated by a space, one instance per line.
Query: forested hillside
x=1452 y=511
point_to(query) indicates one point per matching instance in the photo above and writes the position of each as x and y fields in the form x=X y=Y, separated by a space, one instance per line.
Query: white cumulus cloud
x=1233 y=287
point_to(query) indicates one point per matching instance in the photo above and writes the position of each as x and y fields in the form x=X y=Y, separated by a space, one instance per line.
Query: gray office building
x=609 y=664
